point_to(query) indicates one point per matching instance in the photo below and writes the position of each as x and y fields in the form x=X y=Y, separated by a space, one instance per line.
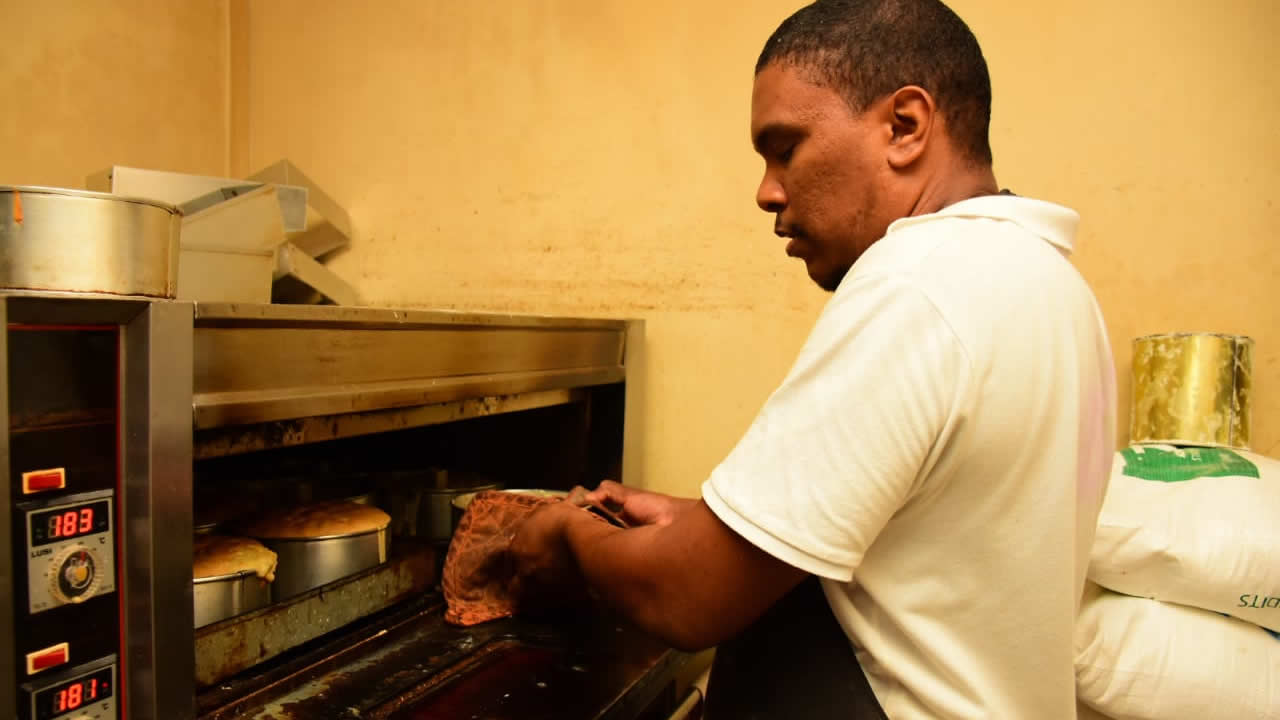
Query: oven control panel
x=86 y=692
x=61 y=552
x=70 y=552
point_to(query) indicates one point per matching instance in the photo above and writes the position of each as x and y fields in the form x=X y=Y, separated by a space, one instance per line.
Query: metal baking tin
x=306 y=563
x=79 y=241
x=461 y=501
x=436 y=519
x=222 y=596
x=1192 y=389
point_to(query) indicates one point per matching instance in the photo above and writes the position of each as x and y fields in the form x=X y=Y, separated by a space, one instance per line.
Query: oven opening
x=367 y=634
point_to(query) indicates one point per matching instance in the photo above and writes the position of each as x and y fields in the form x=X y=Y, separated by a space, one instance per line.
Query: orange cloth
x=477 y=571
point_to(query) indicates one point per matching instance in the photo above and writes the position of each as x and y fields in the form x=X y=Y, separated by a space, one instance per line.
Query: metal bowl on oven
x=223 y=596
x=306 y=563
x=78 y=241
x=436 y=519
x=461 y=501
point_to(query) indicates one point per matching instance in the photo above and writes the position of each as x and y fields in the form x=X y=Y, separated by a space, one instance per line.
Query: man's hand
x=545 y=575
x=638 y=507
x=684 y=576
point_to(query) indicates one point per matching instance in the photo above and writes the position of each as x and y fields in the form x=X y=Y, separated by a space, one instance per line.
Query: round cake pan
x=460 y=503
x=78 y=241
x=436 y=519
x=306 y=563
x=223 y=596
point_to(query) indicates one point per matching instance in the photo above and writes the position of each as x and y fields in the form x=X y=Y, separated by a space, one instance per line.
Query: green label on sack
x=1185 y=464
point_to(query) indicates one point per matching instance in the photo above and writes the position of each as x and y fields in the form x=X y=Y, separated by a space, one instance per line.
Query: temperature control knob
x=74 y=575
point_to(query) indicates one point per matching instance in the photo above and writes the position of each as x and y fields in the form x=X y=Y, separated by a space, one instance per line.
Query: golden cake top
x=217 y=555
x=318 y=520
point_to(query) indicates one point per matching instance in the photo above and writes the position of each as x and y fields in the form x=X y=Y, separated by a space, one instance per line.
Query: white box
x=228 y=250
x=169 y=187
x=178 y=188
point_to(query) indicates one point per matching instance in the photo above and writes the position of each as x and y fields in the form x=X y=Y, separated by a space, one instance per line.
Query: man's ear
x=912 y=114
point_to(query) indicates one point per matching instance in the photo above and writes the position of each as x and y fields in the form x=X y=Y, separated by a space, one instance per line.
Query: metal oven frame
x=202 y=381
x=155 y=498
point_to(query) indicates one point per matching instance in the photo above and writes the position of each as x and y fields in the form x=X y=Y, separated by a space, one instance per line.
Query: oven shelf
x=230 y=646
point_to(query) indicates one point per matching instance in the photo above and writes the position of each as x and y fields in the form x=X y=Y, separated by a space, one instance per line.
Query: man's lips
x=794 y=234
x=795 y=239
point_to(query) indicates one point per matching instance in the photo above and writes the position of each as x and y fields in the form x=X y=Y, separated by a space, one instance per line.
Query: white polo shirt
x=938 y=455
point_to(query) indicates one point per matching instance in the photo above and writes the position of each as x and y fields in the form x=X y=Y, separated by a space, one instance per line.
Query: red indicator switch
x=42 y=480
x=47 y=658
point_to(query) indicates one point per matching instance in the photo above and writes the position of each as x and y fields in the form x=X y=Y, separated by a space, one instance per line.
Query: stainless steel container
x=460 y=503
x=1192 y=389
x=72 y=240
x=306 y=563
x=436 y=519
x=223 y=596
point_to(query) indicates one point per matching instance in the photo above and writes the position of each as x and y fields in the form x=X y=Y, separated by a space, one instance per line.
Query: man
x=938 y=453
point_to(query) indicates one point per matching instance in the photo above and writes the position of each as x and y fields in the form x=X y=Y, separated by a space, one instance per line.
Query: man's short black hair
x=867 y=49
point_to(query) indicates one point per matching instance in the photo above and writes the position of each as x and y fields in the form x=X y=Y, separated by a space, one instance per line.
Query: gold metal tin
x=1191 y=389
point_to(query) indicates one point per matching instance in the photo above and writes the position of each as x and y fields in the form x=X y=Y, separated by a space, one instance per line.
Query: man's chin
x=826 y=278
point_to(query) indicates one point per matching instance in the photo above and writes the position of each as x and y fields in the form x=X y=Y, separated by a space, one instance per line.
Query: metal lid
x=1224 y=336
x=89 y=194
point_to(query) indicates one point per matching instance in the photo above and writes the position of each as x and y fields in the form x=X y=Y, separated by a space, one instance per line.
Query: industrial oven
x=95 y=506
x=132 y=423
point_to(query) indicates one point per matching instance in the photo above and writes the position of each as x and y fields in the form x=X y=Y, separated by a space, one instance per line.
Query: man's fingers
x=609 y=494
x=579 y=496
x=613 y=487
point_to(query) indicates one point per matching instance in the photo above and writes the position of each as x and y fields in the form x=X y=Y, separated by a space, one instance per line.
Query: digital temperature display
x=70 y=521
x=75 y=694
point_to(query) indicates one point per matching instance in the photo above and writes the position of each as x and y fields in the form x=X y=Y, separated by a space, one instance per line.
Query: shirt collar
x=1053 y=223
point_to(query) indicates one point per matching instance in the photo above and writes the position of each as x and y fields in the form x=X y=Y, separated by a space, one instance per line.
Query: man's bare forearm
x=619 y=567
x=691 y=583
x=683 y=504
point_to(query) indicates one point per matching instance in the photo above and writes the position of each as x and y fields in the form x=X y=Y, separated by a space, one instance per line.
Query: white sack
x=1141 y=659
x=1196 y=526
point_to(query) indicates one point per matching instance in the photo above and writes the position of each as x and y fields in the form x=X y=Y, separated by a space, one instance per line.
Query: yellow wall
x=592 y=158
x=1158 y=121
x=586 y=158
x=90 y=84
x=575 y=157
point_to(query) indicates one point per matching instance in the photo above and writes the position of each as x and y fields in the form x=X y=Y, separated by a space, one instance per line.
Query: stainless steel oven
x=131 y=422
x=96 y=452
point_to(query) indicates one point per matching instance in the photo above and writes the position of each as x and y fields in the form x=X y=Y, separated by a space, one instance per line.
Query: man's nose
x=770 y=196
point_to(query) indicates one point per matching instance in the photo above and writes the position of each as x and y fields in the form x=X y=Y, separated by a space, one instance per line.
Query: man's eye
x=785 y=155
